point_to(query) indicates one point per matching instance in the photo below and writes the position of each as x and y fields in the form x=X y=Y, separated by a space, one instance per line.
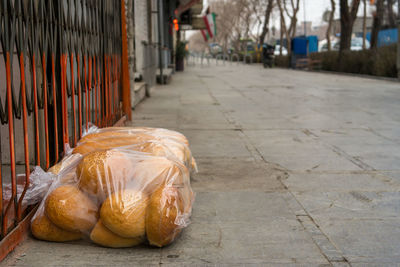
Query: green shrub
x=386 y=63
x=282 y=61
x=379 y=63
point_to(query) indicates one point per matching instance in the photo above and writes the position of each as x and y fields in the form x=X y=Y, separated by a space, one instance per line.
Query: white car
x=277 y=51
x=356 y=44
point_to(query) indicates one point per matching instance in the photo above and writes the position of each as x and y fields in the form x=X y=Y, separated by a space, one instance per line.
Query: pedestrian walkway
x=295 y=168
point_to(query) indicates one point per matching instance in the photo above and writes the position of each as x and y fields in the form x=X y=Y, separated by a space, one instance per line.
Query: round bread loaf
x=70 y=209
x=165 y=134
x=103 y=134
x=153 y=148
x=101 y=235
x=165 y=206
x=88 y=147
x=109 y=143
x=69 y=162
x=156 y=132
x=69 y=177
x=152 y=172
x=42 y=228
x=124 y=213
x=103 y=172
x=179 y=150
x=55 y=168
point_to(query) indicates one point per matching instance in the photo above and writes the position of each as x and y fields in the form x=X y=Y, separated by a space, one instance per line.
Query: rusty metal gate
x=60 y=71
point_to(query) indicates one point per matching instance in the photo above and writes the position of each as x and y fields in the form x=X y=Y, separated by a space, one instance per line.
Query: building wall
x=357 y=27
x=141 y=32
x=145 y=37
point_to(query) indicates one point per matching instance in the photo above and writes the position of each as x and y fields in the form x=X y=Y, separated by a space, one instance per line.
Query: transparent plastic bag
x=118 y=197
x=39 y=183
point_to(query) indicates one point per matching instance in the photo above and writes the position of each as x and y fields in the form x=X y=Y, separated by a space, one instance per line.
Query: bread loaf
x=69 y=162
x=42 y=228
x=106 y=143
x=103 y=134
x=102 y=172
x=124 y=213
x=165 y=206
x=101 y=235
x=152 y=172
x=70 y=209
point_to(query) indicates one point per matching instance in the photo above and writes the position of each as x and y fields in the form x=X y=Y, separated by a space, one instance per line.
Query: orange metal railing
x=65 y=67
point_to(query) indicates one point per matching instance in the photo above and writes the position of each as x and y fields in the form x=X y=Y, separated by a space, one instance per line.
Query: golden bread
x=103 y=172
x=70 y=209
x=92 y=145
x=165 y=205
x=42 y=228
x=151 y=172
x=101 y=235
x=69 y=162
x=124 y=213
x=102 y=134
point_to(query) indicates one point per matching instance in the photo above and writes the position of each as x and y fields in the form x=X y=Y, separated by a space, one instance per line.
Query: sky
x=316 y=8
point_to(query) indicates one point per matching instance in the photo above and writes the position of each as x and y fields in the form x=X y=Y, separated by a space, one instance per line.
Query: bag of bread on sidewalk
x=117 y=195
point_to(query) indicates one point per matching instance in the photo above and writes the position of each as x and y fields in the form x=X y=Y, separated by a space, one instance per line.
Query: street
x=295 y=167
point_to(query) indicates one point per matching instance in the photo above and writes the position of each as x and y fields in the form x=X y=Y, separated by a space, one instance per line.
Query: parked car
x=323 y=44
x=215 y=49
x=356 y=44
x=277 y=51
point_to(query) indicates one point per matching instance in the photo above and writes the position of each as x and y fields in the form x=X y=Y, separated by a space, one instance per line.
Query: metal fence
x=60 y=71
x=205 y=59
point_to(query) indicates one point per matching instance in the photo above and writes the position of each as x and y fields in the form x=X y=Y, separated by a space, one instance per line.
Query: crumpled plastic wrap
x=39 y=183
x=120 y=187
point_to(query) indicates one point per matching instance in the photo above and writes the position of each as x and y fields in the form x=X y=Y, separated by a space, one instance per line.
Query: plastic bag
x=118 y=196
x=39 y=183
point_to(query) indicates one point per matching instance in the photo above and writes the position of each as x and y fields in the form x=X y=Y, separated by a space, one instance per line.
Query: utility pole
x=398 y=39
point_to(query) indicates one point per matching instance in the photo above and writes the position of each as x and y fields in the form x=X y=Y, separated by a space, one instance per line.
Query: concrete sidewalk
x=296 y=168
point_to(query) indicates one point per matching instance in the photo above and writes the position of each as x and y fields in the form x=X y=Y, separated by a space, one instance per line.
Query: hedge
x=379 y=63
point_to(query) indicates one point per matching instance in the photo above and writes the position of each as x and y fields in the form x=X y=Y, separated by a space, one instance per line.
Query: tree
x=347 y=18
x=228 y=23
x=292 y=15
x=331 y=17
x=377 y=24
x=283 y=28
x=197 y=43
x=294 y=6
x=267 y=16
x=391 y=15
x=241 y=19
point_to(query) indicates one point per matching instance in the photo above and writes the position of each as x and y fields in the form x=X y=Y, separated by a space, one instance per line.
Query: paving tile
x=233 y=175
x=216 y=143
